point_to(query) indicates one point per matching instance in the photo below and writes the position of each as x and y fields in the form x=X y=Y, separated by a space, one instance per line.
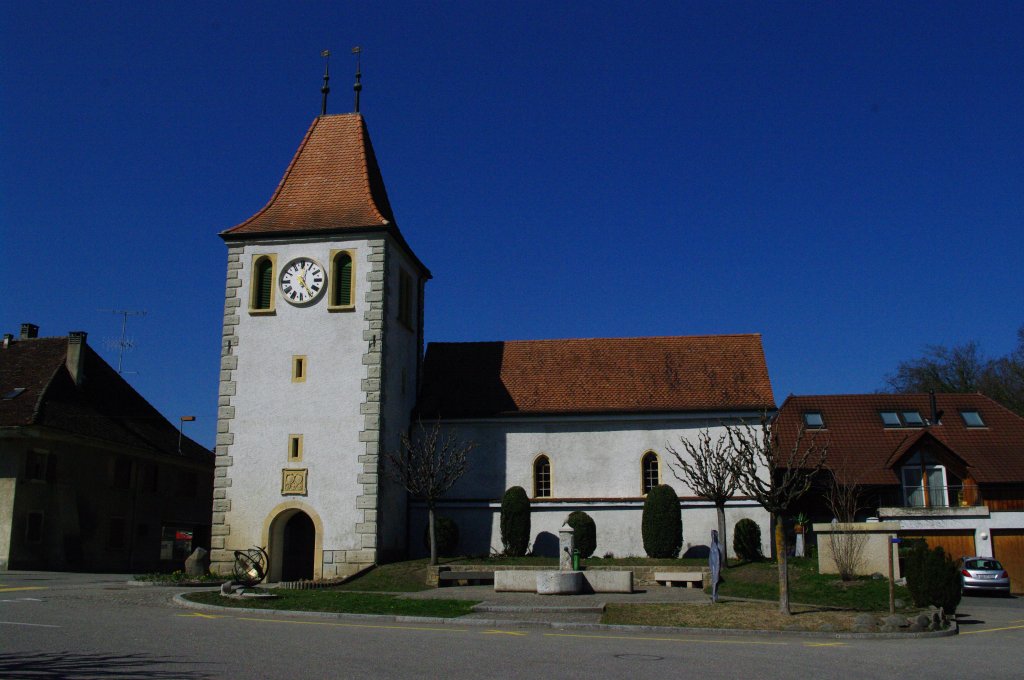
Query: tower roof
x=333 y=183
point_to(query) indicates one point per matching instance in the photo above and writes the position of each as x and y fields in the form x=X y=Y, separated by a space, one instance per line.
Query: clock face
x=303 y=281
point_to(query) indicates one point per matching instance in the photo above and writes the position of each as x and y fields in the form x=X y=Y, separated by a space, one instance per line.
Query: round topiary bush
x=446 y=533
x=746 y=540
x=662 y=523
x=515 y=521
x=585 y=532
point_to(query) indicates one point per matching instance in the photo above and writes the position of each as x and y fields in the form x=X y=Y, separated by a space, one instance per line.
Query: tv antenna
x=326 y=89
x=125 y=343
x=358 y=87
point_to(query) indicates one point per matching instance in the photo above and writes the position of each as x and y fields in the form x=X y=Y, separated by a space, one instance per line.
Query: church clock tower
x=323 y=334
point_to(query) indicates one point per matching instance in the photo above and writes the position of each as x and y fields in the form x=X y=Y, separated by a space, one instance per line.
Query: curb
x=180 y=600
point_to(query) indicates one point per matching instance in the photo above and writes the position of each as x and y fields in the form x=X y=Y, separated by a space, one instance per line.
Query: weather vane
x=325 y=90
x=359 y=74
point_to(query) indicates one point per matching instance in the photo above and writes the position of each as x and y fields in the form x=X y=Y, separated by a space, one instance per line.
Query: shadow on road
x=52 y=665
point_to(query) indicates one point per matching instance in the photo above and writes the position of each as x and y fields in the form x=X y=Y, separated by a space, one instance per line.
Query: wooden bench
x=692 y=579
x=472 y=578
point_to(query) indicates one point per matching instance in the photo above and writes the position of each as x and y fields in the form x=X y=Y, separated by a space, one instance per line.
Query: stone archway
x=293 y=538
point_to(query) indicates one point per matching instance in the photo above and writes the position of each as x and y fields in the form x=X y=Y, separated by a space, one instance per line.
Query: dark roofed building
x=92 y=476
x=949 y=469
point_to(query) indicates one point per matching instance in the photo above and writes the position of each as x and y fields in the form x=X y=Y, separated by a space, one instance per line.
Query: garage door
x=956 y=544
x=1008 y=547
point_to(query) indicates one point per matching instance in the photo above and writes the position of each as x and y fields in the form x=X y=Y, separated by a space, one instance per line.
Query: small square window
x=972 y=419
x=294 y=447
x=813 y=420
x=912 y=419
x=890 y=418
x=299 y=368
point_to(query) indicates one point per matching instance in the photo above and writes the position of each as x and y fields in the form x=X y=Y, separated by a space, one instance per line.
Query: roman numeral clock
x=303 y=281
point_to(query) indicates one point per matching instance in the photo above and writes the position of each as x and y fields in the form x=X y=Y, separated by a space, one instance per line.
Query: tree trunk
x=433 y=539
x=780 y=551
x=720 y=509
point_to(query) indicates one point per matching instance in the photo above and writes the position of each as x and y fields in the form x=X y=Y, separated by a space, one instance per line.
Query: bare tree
x=844 y=497
x=775 y=476
x=708 y=470
x=427 y=465
x=964 y=368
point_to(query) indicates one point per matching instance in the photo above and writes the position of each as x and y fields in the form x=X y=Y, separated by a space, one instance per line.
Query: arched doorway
x=298 y=547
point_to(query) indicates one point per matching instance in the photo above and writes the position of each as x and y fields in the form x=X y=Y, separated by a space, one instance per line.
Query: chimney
x=7 y=340
x=76 y=356
x=936 y=413
x=29 y=331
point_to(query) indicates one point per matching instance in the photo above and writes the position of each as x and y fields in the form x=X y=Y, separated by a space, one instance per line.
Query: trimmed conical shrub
x=662 y=523
x=515 y=521
x=584 y=532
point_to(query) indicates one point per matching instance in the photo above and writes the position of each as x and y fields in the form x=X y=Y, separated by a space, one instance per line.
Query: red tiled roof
x=600 y=375
x=103 y=407
x=332 y=183
x=858 y=441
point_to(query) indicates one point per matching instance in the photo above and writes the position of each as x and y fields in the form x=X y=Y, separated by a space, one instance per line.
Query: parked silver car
x=983 y=574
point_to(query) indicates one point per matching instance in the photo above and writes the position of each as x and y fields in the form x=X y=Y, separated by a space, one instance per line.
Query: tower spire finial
x=359 y=74
x=325 y=90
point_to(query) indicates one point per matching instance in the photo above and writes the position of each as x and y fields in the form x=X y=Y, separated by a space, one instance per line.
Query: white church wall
x=595 y=467
x=324 y=409
x=399 y=389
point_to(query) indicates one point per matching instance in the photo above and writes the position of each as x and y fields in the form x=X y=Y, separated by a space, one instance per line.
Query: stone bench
x=472 y=578
x=692 y=579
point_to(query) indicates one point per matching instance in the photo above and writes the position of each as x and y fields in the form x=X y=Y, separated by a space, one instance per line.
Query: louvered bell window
x=264 y=283
x=342 y=272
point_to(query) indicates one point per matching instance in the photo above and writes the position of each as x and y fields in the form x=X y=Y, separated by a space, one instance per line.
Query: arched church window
x=262 y=294
x=342 y=285
x=542 y=477
x=650 y=471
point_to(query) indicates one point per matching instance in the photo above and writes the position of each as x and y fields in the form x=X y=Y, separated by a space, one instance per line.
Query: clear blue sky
x=845 y=178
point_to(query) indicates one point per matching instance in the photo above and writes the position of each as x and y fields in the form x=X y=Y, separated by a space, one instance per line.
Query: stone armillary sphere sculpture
x=250 y=566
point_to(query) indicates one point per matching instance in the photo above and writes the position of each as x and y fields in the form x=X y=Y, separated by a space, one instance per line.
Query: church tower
x=323 y=335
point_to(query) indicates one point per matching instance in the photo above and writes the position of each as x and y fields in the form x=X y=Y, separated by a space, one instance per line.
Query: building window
x=814 y=421
x=175 y=542
x=341 y=293
x=299 y=368
x=294 y=447
x=650 y=470
x=261 y=293
x=34 y=527
x=972 y=419
x=542 y=477
x=924 y=482
x=902 y=418
x=405 y=298
x=35 y=466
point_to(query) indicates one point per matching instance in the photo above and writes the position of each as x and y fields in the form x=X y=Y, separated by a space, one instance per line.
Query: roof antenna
x=325 y=90
x=359 y=74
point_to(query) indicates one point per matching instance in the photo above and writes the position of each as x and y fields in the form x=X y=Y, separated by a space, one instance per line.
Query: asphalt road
x=96 y=626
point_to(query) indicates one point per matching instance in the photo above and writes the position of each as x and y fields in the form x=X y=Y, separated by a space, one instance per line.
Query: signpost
x=893 y=540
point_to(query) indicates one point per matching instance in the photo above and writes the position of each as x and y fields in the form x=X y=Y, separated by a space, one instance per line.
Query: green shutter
x=265 y=279
x=343 y=280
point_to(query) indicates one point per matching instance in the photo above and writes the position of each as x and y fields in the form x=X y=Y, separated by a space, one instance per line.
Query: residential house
x=92 y=477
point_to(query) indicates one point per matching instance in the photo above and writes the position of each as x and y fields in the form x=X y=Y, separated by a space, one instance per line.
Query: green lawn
x=760 y=580
x=333 y=600
x=397 y=577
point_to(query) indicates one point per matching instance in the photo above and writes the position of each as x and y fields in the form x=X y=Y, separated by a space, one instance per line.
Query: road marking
x=24 y=599
x=17 y=588
x=990 y=630
x=502 y=632
x=824 y=644
x=201 y=616
x=34 y=625
x=668 y=639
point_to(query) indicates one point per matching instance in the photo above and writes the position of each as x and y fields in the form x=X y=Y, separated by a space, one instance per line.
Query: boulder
x=198 y=563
